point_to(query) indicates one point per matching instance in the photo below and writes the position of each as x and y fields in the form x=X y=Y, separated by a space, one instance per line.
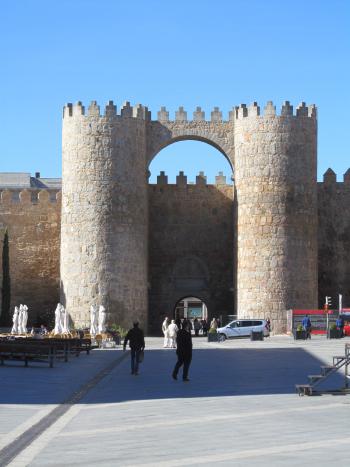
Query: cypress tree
x=5 y=318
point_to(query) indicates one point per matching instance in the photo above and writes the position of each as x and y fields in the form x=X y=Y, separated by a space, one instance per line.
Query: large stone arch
x=216 y=134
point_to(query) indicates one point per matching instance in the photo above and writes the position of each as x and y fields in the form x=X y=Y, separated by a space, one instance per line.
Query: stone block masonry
x=32 y=219
x=334 y=238
x=104 y=252
x=191 y=247
x=104 y=226
x=253 y=248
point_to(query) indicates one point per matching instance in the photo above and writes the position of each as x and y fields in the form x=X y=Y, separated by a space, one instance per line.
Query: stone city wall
x=190 y=246
x=334 y=239
x=32 y=220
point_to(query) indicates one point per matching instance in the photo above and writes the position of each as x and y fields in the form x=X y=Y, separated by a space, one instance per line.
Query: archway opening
x=190 y=308
x=192 y=312
x=192 y=157
x=191 y=241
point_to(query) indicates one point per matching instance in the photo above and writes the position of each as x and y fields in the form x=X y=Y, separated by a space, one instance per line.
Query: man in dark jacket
x=184 y=352
x=136 y=341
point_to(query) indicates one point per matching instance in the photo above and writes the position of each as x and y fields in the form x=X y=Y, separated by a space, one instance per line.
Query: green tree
x=5 y=318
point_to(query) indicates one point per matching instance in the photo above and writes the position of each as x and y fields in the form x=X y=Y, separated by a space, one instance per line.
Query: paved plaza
x=239 y=408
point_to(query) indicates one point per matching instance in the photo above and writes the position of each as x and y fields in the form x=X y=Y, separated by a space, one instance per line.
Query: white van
x=243 y=328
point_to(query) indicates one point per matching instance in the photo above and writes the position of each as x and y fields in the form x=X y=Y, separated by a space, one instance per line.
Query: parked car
x=243 y=328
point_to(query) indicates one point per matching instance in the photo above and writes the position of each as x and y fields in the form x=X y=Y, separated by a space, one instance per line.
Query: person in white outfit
x=165 y=326
x=172 y=329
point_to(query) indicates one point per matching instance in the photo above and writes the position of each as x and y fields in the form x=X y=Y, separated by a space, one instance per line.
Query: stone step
x=315 y=377
x=327 y=368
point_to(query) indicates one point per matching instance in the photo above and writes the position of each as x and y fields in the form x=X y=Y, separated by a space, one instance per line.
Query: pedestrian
x=178 y=323
x=306 y=323
x=136 y=340
x=172 y=331
x=214 y=324
x=165 y=326
x=204 y=327
x=184 y=353
x=186 y=324
x=340 y=325
x=196 y=326
x=268 y=324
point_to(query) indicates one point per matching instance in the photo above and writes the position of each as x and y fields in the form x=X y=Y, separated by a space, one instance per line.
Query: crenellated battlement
x=181 y=180
x=330 y=178
x=29 y=197
x=241 y=111
x=110 y=111
x=141 y=112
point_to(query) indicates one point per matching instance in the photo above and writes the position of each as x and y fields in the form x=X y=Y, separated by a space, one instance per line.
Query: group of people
x=179 y=337
x=307 y=326
x=170 y=328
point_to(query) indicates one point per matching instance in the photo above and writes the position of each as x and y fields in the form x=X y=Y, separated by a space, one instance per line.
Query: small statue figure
x=20 y=318
x=24 y=319
x=65 y=328
x=15 y=318
x=93 y=319
x=58 y=320
x=101 y=319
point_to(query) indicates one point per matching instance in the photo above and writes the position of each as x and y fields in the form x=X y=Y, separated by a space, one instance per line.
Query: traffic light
x=329 y=301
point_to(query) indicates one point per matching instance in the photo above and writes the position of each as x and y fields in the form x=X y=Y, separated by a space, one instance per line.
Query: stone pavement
x=239 y=408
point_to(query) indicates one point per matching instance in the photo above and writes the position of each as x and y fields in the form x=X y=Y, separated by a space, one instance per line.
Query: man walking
x=184 y=353
x=136 y=341
x=340 y=326
x=306 y=323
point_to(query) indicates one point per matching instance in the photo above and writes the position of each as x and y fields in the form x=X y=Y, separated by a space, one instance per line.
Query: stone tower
x=104 y=231
x=276 y=188
x=104 y=213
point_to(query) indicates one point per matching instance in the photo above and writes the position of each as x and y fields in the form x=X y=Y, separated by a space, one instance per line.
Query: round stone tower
x=275 y=176
x=104 y=226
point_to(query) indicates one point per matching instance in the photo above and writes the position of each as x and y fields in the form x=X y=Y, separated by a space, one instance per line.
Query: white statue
x=101 y=319
x=20 y=319
x=24 y=319
x=58 y=319
x=172 y=330
x=65 y=327
x=93 y=320
x=165 y=330
x=15 y=318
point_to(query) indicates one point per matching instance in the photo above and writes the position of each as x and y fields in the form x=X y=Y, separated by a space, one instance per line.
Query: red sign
x=311 y=312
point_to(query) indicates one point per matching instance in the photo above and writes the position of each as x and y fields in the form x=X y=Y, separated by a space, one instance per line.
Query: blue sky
x=158 y=52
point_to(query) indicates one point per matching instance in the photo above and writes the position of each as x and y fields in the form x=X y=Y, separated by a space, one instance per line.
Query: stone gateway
x=254 y=248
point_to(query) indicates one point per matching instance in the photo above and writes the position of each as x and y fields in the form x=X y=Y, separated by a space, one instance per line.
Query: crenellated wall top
x=141 y=112
x=330 y=178
x=181 y=180
x=33 y=197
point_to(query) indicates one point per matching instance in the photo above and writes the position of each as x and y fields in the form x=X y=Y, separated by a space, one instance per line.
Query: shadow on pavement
x=213 y=373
